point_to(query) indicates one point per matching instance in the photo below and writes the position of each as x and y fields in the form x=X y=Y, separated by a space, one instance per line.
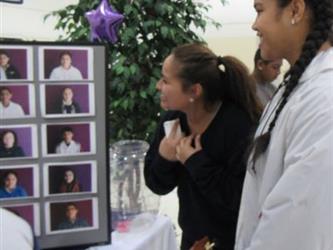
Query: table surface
x=160 y=235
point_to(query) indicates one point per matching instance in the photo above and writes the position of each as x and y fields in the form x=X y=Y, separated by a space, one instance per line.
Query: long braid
x=321 y=32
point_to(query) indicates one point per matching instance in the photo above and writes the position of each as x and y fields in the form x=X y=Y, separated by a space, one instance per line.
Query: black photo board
x=54 y=141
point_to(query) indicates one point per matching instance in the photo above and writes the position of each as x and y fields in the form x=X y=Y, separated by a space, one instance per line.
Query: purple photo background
x=25 y=178
x=20 y=96
x=18 y=58
x=26 y=212
x=53 y=96
x=82 y=173
x=52 y=60
x=81 y=135
x=58 y=212
x=24 y=138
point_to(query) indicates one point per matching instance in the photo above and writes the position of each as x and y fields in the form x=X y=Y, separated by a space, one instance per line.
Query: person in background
x=72 y=220
x=16 y=233
x=264 y=73
x=65 y=71
x=10 y=70
x=9 y=145
x=68 y=104
x=212 y=102
x=287 y=200
x=68 y=145
x=10 y=187
x=69 y=183
x=8 y=108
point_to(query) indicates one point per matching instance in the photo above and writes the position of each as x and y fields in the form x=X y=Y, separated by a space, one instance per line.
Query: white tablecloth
x=159 y=236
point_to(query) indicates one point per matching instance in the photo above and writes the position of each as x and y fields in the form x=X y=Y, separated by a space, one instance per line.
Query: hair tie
x=221 y=63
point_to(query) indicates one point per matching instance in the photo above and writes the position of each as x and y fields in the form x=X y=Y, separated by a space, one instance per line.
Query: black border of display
x=15 y=42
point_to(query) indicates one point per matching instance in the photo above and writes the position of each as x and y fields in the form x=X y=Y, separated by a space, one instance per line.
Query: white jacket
x=15 y=233
x=288 y=203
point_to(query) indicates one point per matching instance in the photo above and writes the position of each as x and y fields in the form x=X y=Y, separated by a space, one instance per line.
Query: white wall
x=25 y=20
x=235 y=37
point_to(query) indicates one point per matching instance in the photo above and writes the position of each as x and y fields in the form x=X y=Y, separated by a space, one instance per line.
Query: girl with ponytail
x=212 y=103
x=288 y=191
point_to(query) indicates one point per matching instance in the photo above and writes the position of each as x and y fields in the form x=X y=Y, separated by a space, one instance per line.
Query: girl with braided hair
x=288 y=190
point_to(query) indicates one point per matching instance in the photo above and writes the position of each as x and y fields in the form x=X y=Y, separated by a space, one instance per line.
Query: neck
x=67 y=102
x=9 y=190
x=199 y=118
x=294 y=55
x=258 y=77
x=6 y=104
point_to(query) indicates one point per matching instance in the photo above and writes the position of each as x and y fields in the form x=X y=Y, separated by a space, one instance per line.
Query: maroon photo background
x=52 y=60
x=81 y=135
x=53 y=97
x=18 y=58
x=25 y=178
x=82 y=173
x=20 y=95
x=58 y=212
x=26 y=212
x=24 y=138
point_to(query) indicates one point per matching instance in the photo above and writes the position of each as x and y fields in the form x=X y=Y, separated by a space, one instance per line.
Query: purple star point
x=104 y=22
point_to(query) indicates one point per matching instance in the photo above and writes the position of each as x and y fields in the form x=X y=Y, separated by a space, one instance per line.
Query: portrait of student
x=66 y=70
x=264 y=73
x=5 y=63
x=68 y=105
x=8 y=108
x=68 y=145
x=70 y=182
x=72 y=218
x=69 y=178
x=10 y=187
x=288 y=189
x=69 y=138
x=9 y=145
x=213 y=104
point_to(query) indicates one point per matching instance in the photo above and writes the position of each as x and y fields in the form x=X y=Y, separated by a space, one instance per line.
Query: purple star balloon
x=104 y=22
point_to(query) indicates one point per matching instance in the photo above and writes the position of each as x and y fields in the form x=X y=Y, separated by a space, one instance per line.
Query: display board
x=54 y=166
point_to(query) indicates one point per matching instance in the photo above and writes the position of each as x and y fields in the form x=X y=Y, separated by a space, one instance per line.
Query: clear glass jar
x=129 y=195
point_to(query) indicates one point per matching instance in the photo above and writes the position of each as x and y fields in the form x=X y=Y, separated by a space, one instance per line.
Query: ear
x=260 y=64
x=298 y=10
x=196 y=90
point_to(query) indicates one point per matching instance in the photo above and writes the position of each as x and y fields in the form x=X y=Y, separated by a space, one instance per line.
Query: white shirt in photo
x=15 y=232
x=13 y=110
x=60 y=73
x=72 y=148
x=2 y=74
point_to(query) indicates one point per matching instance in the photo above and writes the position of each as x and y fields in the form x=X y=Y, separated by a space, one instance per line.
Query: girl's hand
x=167 y=148
x=185 y=149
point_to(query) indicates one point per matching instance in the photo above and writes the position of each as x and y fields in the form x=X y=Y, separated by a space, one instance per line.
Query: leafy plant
x=150 y=30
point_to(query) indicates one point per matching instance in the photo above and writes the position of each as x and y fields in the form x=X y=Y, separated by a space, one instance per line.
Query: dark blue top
x=15 y=151
x=69 y=225
x=17 y=192
x=210 y=183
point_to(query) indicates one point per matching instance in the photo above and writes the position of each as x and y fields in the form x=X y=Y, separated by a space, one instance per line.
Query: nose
x=159 y=85
x=254 y=25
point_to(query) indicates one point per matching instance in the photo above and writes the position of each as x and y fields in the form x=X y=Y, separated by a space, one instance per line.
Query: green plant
x=150 y=30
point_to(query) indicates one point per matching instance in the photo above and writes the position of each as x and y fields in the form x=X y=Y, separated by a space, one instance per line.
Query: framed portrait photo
x=65 y=63
x=67 y=100
x=16 y=63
